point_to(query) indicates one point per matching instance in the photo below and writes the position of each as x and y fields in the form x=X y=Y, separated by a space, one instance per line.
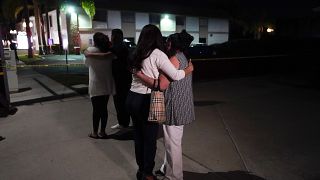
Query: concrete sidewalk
x=35 y=87
x=263 y=125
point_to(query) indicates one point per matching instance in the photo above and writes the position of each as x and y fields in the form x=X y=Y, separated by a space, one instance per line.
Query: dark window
x=155 y=19
x=101 y=15
x=180 y=20
x=203 y=22
x=50 y=21
x=203 y=40
x=128 y=17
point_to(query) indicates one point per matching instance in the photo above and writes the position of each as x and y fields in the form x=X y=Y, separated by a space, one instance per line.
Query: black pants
x=120 y=105
x=100 y=112
x=145 y=132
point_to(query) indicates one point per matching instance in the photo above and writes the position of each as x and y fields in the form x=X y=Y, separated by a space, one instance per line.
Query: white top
x=100 y=74
x=150 y=67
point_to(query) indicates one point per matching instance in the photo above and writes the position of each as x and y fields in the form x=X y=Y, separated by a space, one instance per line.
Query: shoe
x=12 y=110
x=159 y=173
x=2 y=138
x=117 y=126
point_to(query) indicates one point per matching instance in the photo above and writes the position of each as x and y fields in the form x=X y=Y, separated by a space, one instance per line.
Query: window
x=50 y=21
x=203 y=22
x=203 y=40
x=128 y=17
x=101 y=15
x=180 y=20
x=155 y=19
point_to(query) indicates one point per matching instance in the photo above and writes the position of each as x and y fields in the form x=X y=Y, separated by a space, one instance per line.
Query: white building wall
x=192 y=27
x=142 y=19
x=84 y=21
x=218 y=30
x=114 y=19
x=192 y=24
x=54 y=29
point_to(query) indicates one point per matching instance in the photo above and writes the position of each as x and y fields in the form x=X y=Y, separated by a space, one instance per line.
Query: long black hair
x=101 y=41
x=149 y=39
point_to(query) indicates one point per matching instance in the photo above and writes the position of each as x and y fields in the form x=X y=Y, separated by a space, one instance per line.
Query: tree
x=38 y=24
x=89 y=7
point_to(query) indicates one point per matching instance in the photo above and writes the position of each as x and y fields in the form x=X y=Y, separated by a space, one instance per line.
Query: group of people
x=108 y=75
x=155 y=64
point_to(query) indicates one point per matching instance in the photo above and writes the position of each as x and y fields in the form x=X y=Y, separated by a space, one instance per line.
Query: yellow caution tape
x=41 y=65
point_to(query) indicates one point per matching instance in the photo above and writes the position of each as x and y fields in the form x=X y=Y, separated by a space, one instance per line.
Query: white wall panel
x=217 y=38
x=195 y=38
x=84 y=21
x=192 y=23
x=218 y=25
x=114 y=19
x=142 y=19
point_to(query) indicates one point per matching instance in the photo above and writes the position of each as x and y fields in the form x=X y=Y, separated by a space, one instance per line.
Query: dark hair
x=116 y=36
x=186 y=40
x=179 y=41
x=101 y=41
x=149 y=39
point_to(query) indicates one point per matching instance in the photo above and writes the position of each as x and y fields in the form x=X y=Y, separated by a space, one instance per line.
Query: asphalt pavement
x=246 y=128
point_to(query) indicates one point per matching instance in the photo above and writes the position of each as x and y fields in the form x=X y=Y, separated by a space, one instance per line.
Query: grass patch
x=24 y=58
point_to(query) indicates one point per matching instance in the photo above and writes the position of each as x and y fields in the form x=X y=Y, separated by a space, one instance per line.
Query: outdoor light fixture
x=24 y=24
x=70 y=9
x=269 y=30
x=13 y=31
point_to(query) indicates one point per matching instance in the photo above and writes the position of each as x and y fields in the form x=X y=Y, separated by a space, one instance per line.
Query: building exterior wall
x=204 y=29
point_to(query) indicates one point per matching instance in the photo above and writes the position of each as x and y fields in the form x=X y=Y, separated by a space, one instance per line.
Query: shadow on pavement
x=230 y=175
x=206 y=103
x=123 y=134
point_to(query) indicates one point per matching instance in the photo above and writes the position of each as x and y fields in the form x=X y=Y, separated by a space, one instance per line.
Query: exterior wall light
x=70 y=9
x=270 y=30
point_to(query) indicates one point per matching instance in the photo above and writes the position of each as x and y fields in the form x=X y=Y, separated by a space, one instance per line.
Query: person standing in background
x=101 y=83
x=122 y=78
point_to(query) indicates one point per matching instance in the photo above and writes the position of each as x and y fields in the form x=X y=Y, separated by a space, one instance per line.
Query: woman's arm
x=171 y=71
x=99 y=55
x=164 y=81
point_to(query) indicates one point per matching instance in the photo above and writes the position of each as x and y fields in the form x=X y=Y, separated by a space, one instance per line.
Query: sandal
x=94 y=136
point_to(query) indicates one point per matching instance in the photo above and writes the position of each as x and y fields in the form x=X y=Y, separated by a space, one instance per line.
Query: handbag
x=157 y=111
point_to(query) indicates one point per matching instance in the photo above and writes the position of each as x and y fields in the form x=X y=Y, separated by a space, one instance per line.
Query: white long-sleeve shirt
x=157 y=60
x=100 y=74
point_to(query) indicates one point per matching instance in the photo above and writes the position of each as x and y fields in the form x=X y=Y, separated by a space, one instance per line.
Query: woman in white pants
x=179 y=106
